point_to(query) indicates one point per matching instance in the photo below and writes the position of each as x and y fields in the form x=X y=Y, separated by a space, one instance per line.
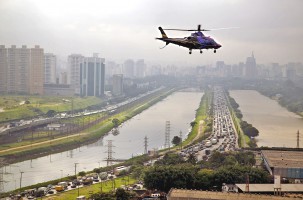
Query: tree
x=193 y=124
x=176 y=140
x=192 y=159
x=97 y=170
x=116 y=122
x=82 y=173
x=170 y=159
x=163 y=178
x=50 y=113
x=121 y=194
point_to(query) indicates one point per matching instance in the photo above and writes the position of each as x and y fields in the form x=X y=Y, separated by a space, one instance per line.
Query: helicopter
x=196 y=40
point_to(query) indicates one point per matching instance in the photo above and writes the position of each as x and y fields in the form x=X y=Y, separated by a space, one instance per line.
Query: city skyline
x=121 y=30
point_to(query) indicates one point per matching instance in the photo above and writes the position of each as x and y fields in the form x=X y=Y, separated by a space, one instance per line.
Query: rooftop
x=270 y=187
x=283 y=159
x=183 y=194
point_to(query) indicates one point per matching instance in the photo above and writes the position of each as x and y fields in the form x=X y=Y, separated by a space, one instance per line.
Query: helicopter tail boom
x=163 y=33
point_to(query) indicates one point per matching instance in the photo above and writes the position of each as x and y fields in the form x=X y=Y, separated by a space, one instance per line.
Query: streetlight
x=21 y=179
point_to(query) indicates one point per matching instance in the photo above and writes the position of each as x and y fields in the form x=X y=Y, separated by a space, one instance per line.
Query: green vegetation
x=229 y=168
x=22 y=107
x=106 y=187
x=202 y=116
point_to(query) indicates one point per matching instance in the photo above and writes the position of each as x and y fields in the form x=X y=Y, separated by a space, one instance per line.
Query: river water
x=179 y=108
x=277 y=126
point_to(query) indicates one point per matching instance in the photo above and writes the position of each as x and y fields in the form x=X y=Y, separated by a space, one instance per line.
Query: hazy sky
x=121 y=29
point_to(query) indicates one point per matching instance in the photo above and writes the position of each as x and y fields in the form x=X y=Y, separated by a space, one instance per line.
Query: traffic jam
x=223 y=137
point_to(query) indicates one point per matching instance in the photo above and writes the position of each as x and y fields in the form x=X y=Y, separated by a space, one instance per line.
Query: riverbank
x=90 y=135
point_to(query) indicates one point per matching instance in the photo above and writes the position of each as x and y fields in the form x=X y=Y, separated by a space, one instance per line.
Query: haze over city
x=119 y=29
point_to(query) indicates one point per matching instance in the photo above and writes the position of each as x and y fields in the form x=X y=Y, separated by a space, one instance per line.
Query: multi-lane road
x=223 y=137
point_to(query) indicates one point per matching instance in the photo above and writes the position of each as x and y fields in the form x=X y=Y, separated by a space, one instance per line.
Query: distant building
x=3 y=69
x=92 y=76
x=129 y=68
x=50 y=63
x=36 y=80
x=22 y=70
x=251 y=71
x=58 y=90
x=140 y=68
x=117 y=84
x=64 y=78
x=74 y=62
x=291 y=72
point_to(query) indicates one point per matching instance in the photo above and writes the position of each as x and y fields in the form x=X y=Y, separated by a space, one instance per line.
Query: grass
x=92 y=189
x=201 y=114
x=12 y=110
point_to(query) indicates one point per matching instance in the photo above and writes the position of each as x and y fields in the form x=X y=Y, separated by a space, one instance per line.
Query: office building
x=22 y=70
x=140 y=68
x=36 y=70
x=92 y=76
x=117 y=84
x=3 y=69
x=74 y=62
x=251 y=68
x=50 y=62
x=129 y=68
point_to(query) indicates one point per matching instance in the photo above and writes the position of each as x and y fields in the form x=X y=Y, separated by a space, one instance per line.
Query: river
x=277 y=126
x=178 y=108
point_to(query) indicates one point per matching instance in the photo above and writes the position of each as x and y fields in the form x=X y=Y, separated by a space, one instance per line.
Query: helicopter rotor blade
x=173 y=29
x=215 y=29
x=199 y=29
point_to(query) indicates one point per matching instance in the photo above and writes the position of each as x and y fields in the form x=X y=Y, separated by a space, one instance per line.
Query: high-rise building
x=22 y=70
x=3 y=69
x=251 y=71
x=92 y=76
x=129 y=68
x=50 y=63
x=36 y=70
x=18 y=69
x=74 y=62
x=63 y=78
x=117 y=84
x=140 y=68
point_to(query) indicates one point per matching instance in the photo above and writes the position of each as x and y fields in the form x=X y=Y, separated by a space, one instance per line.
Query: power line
x=109 y=152
x=298 y=139
x=167 y=134
x=145 y=144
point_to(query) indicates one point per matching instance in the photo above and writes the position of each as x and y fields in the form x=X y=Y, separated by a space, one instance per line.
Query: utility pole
x=167 y=135
x=21 y=179
x=298 y=139
x=1 y=178
x=145 y=144
x=76 y=177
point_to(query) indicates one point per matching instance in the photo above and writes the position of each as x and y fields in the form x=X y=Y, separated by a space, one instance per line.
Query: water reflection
x=179 y=109
x=277 y=126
